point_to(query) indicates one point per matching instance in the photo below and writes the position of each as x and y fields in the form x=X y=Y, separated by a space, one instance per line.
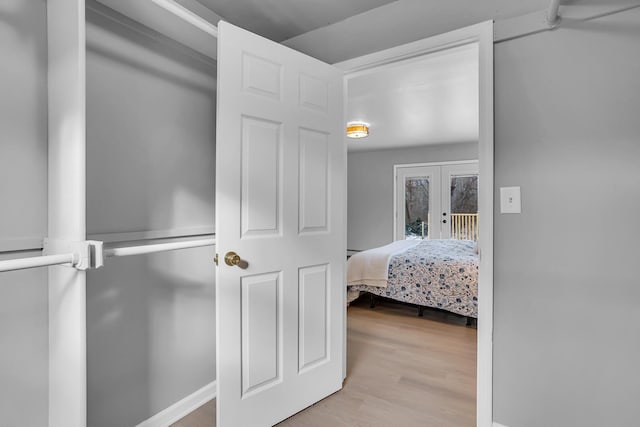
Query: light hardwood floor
x=403 y=370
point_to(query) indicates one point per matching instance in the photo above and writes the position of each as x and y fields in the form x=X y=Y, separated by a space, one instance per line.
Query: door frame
x=396 y=212
x=482 y=34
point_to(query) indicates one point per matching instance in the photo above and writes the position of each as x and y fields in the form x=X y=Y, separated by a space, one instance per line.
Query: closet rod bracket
x=87 y=254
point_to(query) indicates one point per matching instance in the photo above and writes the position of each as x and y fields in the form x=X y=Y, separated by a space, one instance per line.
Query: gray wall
x=23 y=212
x=23 y=120
x=151 y=334
x=150 y=169
x=150 y=131
x=370 y=191
x=567 y=290
x=24 y=345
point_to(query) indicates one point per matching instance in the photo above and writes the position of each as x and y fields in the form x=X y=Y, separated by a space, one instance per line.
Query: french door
x=437 y=201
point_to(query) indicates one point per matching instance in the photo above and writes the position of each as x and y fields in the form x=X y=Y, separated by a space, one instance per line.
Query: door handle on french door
x=231 y=258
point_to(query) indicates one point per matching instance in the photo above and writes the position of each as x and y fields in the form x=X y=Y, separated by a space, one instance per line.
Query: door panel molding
x=261 y=332
x=314 y=166
x=261 y=208
x=314 y=317
x=260 y=76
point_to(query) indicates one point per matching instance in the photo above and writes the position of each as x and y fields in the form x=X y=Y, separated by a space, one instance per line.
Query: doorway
x=482 y=34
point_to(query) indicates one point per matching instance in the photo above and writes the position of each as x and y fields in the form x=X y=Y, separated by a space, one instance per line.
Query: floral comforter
x=435 y=273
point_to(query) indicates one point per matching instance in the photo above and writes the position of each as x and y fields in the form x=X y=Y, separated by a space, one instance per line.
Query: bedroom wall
x=566 y=345
x=370 y=188
x=24 y=354
x=150 y=171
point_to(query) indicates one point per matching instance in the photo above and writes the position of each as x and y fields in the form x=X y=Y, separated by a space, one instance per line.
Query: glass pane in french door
x=464 y=207
x=417 y=218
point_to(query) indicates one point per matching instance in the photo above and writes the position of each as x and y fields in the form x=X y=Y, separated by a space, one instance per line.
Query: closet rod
x=161 y=247
x=185 y=14
x=39 y=261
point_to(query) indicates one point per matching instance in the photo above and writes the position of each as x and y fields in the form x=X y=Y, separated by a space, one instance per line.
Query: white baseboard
x=498 y=425
x=182 y=408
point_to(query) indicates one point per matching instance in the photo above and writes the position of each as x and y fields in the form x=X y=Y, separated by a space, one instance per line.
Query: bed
x=441 y=274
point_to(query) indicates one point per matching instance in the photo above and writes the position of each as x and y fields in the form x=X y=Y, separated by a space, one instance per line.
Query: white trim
x=185 y=21
x=374 y=61
x=483 y=35
x=182 y=408
x=484 y=393
x=345 y=216
x=66 y=209
x=137 y=24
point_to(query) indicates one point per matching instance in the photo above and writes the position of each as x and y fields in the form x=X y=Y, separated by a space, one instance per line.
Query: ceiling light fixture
x=357 y=129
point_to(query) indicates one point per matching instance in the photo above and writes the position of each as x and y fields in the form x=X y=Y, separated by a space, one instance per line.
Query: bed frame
x=373 y=299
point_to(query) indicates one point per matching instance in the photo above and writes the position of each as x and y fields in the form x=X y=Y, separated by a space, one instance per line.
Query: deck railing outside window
x=464 y=226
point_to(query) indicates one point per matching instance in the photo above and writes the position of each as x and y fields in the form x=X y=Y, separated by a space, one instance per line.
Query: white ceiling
x=432 y=100
x=282 y=19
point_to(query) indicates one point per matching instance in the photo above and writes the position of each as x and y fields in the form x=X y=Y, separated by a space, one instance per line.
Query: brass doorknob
x=231 y=258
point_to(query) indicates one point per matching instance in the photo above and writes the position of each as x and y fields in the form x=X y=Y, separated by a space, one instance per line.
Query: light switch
x=510 y=200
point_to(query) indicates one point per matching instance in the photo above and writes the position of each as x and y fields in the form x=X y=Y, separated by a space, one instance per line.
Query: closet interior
x=120 y=169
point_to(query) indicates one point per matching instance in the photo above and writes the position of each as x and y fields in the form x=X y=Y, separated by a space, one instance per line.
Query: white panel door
x=280 y=205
